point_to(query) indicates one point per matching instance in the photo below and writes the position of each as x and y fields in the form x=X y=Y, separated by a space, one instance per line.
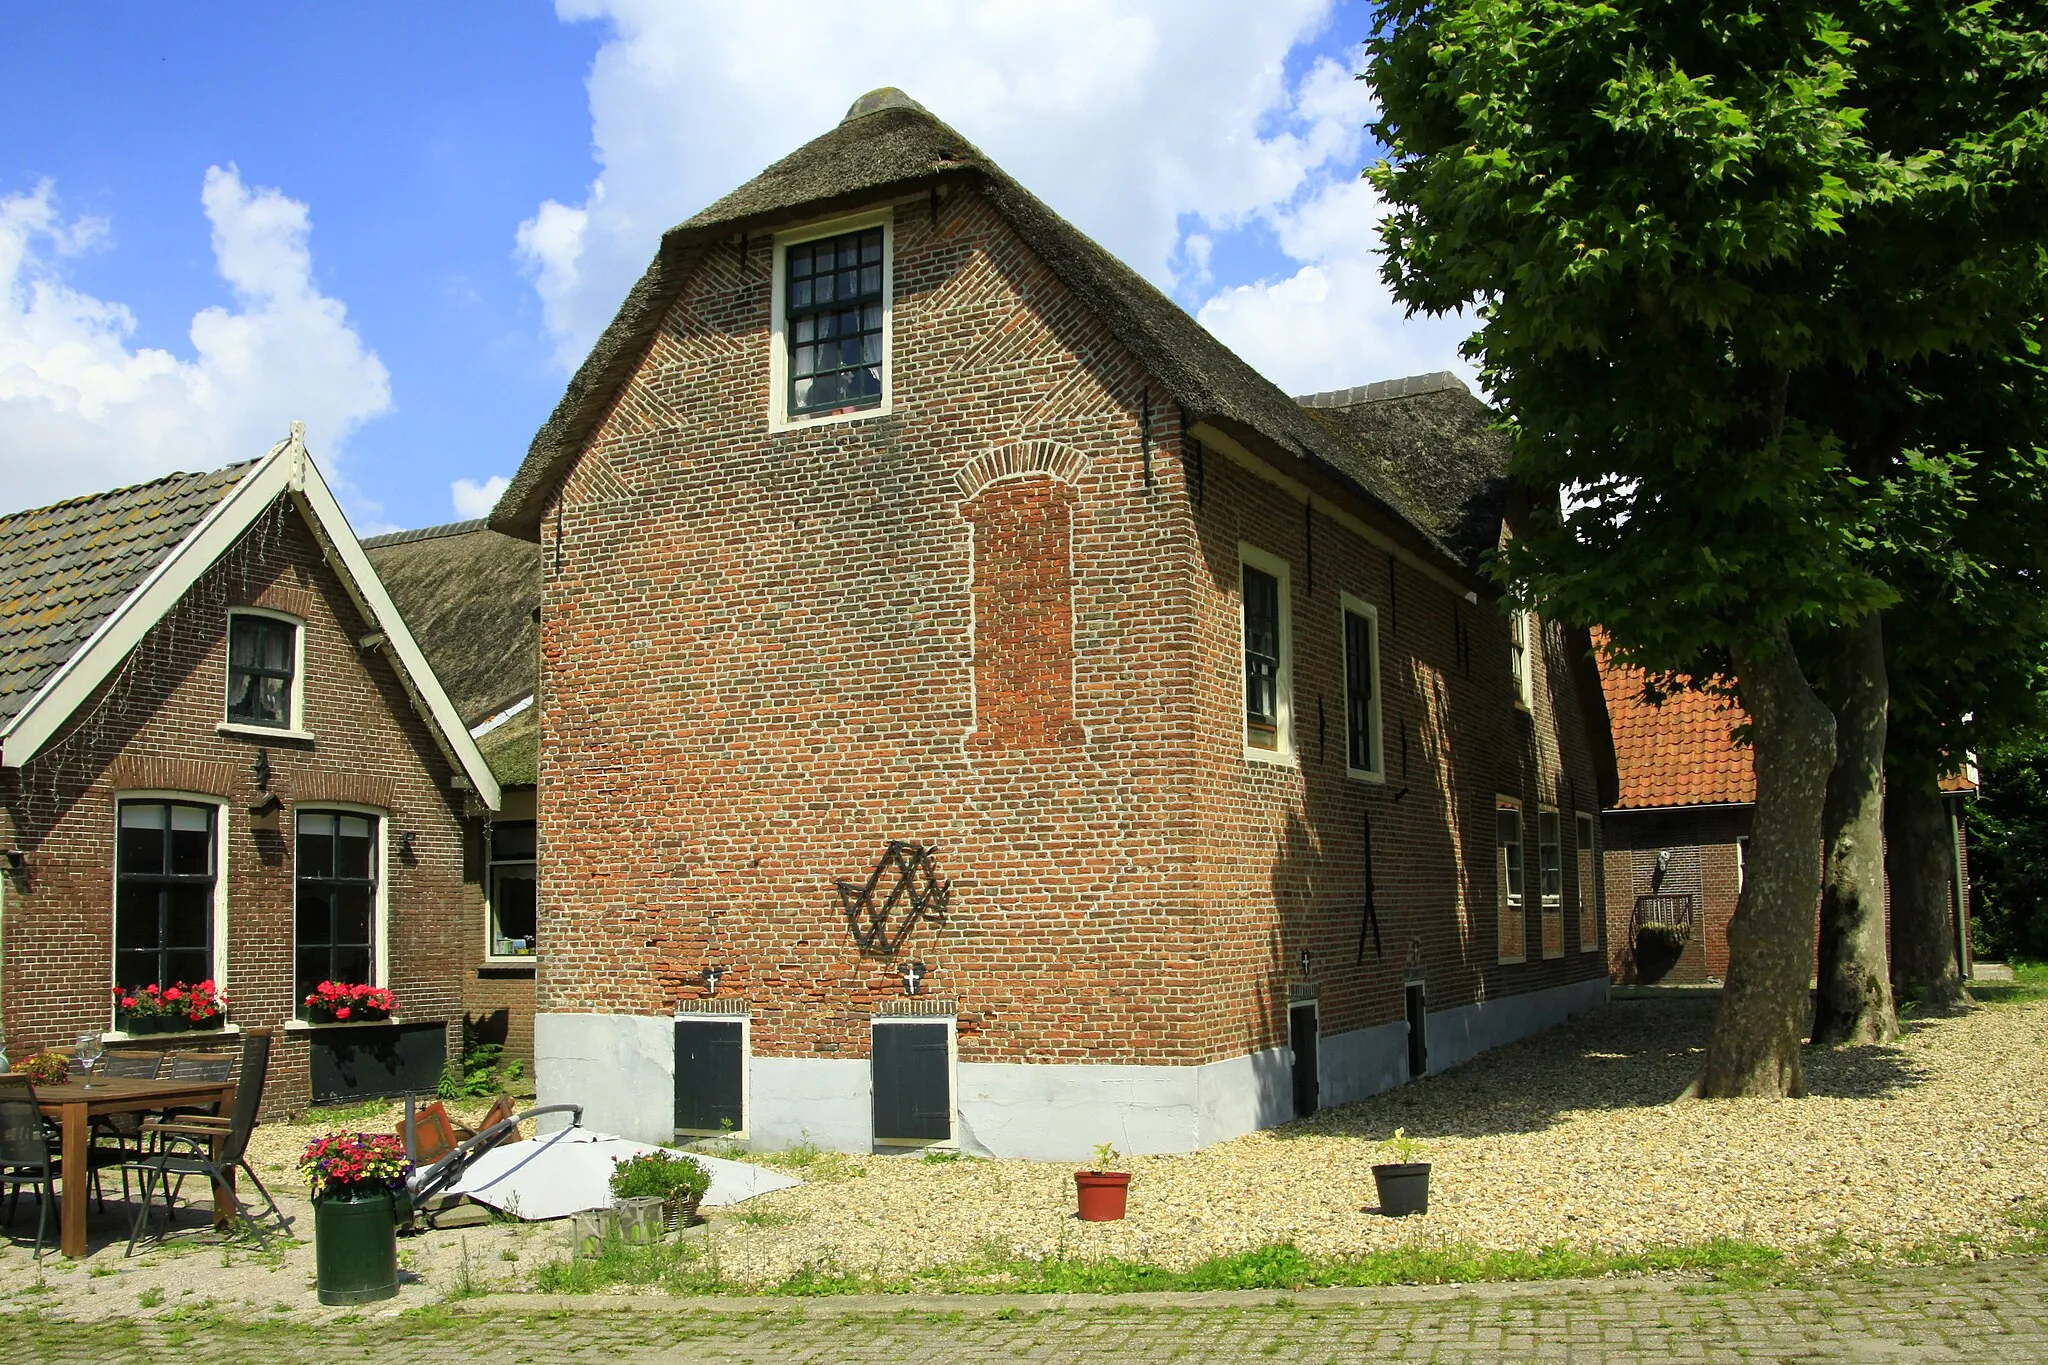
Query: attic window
x=833 y=312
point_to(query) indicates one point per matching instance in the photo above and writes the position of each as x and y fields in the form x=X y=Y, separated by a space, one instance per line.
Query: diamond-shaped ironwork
x=916 y=894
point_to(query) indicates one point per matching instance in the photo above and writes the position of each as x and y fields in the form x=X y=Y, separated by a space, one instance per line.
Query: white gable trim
x=286 y=470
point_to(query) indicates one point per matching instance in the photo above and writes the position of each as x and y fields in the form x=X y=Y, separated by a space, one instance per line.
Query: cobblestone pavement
x=1990 y=1311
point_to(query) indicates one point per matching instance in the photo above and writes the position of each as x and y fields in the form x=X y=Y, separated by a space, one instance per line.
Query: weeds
x=815 y=1164
x=338 y=1115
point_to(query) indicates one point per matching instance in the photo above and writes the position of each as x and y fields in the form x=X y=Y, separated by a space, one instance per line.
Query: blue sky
x=406 y=223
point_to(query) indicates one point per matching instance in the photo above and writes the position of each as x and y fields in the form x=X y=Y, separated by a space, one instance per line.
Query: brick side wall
x=152 y=726
x=1703 y=863
x=763 y=658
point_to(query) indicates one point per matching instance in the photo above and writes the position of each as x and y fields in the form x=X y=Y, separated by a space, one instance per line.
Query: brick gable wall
x=761 y=654
x=152 y=726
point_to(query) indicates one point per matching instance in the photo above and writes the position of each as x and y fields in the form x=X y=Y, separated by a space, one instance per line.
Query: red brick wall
x=1703 y=864
x=152 y=725
x=763 y=658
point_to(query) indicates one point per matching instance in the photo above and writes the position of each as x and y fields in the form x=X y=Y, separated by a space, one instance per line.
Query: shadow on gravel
x=1631 y=1054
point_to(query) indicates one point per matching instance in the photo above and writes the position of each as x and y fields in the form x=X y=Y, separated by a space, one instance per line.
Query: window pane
x=188 y=916
x=823 y=288
x=313 y=967
x=191 y=849
x=135 y=969
x=871 y=245
x=189 y=965
x=513 y=840
x=352 y=965
x=142 y=837
x=273 y=699
x=871 y=279
x=513 y=903
x=136 y=923
x=316 y=846
x=315 y=917
x=1262 y=657
x=351 y=915
x=277 y=646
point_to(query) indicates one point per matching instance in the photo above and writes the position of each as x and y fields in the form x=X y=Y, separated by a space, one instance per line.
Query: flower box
x=177 y=1008
x=339 y=1002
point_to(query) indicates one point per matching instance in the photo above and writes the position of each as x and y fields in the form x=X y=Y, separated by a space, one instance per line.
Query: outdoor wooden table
x=76 y=1103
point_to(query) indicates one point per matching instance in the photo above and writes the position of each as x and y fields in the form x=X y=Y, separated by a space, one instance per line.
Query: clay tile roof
x=1676 y=754
x=64 y=569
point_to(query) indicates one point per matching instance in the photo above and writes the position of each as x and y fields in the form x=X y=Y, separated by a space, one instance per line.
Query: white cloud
x=1125 y=115
x=81 y=409
x=1332 y=323
x=473 y=499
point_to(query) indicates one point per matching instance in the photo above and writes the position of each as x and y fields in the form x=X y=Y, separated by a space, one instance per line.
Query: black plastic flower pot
x=1403 y=1187
x=355 y=1244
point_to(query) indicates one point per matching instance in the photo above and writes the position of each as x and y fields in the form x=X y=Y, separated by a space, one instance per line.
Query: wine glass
x=89 y=1050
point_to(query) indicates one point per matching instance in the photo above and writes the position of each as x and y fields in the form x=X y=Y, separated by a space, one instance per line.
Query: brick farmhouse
x=222 y=756
x=977 y=708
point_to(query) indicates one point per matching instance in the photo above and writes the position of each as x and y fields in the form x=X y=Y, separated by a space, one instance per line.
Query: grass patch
x=674 y=1267
x=812 y=1163
x=345 y=1113
x=2008 y=992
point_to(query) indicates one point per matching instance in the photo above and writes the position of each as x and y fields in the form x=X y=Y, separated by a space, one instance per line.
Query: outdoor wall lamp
x=261 y=769
x=913 y=974
x=15 y=858
x=712 y=976
x=405 y=842
x=1304 y=963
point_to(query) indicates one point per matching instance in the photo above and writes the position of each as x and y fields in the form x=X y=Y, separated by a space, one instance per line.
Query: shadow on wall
x=1632 y=1054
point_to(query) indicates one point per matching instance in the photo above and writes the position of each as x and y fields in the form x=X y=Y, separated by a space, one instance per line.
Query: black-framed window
x=1361 y=691
x=514 y=900
x=833 y=312
x=1261 y=659
x=164 y=893
x=262 y=661
x=337 y=899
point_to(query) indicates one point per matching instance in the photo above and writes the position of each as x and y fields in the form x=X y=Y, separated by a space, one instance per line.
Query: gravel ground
x=1566 y=1137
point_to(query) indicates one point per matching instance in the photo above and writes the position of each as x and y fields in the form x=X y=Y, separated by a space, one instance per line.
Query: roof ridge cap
x=1380 y=390
x=451 y=528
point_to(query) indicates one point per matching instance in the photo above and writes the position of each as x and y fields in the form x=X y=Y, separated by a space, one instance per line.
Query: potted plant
x=45 y=1068
x=341 y=1002
x=355 y=1179
x=1403 y=1179
x=678 y=1183
x=1102 y=1192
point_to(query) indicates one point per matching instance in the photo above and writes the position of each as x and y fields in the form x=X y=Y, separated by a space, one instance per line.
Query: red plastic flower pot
x=1102 y=1194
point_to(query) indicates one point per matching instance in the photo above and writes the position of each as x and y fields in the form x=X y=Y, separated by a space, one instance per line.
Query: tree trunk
x=1765 y=1004
x=1855 y=996
x=1920 y=860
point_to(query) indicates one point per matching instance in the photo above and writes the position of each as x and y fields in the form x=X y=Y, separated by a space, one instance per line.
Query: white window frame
x=1349 y=606
x=1283 y=688
x=951 y=1142
x=1548 y=904
x=1503 y=893
x=1589 y=881
x=491 y=957
x=296 y=729
x=779 y=418
x=746 y=1022
x=381 y=905
x=1521 y=646
x=221 y=846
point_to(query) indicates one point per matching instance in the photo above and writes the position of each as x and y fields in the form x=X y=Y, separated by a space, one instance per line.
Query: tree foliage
x=2008 y=830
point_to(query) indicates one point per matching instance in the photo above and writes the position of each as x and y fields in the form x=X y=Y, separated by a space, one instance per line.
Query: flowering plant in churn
x=200 y=1005
x=341 y=1002
x=345 y=1163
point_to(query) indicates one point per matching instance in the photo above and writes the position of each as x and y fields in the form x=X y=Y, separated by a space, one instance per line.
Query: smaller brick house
x=472 y=598
x=1678 y=829
x=222 y=756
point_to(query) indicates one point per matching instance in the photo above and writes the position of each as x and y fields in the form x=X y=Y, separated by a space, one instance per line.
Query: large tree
x=1666 y=216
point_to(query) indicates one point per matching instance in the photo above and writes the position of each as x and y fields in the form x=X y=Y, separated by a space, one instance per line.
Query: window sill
x=307 y=1025
x=826 y=419
x=166 y=1039
x=511 y=964
x=1511 y=961
x=239 y=730
x=1376 y=779
x=1272 y=758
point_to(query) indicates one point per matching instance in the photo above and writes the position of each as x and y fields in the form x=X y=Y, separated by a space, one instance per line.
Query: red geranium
x=348 y=1000
x=197 y=1003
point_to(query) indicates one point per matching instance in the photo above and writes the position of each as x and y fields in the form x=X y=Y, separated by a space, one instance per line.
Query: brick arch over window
x=1023 y=612
x=1061 y=462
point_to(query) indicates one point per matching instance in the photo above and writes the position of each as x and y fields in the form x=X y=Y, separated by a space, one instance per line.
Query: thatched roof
x=889 y=145
x=1440 y=443
x=469 y=596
